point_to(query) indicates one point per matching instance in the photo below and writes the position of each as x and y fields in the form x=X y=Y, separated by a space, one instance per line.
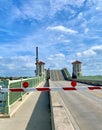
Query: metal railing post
x=21 y=87
x=7 y=107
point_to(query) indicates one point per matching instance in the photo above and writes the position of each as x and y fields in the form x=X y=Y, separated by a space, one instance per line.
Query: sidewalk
x=22 y=117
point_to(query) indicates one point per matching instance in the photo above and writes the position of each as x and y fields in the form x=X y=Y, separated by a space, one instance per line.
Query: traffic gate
x=25 y=88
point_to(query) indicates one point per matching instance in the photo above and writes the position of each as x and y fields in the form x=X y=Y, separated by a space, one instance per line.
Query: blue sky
x=64 y=31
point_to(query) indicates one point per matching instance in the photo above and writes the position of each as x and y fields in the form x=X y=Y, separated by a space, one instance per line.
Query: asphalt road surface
x=84 y=106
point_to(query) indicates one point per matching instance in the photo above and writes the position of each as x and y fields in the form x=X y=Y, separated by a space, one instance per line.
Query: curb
x=59 y=118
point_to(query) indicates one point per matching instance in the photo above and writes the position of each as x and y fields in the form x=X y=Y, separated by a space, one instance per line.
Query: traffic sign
x=74 y=83
x=25 y=84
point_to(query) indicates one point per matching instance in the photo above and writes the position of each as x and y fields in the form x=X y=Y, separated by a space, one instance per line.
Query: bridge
x=54 y=110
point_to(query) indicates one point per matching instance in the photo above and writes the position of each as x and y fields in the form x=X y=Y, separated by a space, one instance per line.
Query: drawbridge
x=59 y=75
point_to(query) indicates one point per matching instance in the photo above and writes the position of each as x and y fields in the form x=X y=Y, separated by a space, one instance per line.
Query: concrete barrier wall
x=59 y=117
x=52 y=117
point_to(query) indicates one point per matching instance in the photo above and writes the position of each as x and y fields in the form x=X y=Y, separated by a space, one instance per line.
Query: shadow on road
x=41 y=118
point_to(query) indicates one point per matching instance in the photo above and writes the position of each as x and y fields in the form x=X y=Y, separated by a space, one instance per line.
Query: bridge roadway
x=85 y=109
x=85 y=106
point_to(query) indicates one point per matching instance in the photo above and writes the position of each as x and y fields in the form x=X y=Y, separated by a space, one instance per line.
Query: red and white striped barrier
x=25 y=88
x=49 y=89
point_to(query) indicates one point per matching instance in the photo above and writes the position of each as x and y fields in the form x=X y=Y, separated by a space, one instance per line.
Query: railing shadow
x=41 y=118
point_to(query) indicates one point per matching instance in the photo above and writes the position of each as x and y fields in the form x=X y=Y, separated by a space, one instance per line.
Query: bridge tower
x=40 y=71
x=76 y=68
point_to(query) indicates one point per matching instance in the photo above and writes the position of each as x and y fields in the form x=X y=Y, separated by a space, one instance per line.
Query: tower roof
x=76 y=62
x=40 y=62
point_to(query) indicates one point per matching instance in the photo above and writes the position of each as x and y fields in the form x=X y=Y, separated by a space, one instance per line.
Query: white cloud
x=62 y=29
x=80 y=15
x=49 y=42
x=35 y=9
x=56 y=61
x=86 y=30
x=86 y=53
x=17 y=65
x=29 y=9
x=16 y=14
x=25 y=61
x=60 y=55
x=56 y=56
x=99 y=5
x=10 y=66
x=99 y=8
x=97 y=47
x=22 y=58
x=63 y=39
x=66 y=40
x=76 y=3
x=90 y=52
x=57 y=5
x=1 y=57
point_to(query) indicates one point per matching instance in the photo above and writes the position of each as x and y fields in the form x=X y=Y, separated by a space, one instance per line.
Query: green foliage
x=97 y=77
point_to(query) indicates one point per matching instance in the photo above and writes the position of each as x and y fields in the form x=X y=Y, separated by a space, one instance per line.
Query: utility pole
x=37 y=64
x=37 y=54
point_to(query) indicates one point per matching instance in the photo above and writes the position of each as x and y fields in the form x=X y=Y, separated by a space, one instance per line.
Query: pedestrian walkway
x=33 y=114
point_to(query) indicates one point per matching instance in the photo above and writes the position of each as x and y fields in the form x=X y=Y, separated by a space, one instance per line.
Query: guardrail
x=91 y=82
x=11 y=98
x=66 y=73
x=81 y=80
